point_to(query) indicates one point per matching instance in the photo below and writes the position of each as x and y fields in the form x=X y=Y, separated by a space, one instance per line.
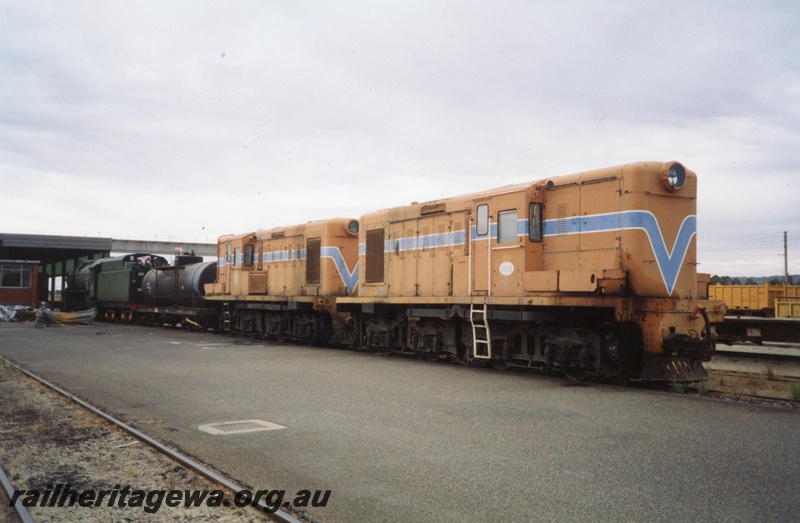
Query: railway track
x=775 y=351
x=20 y=513
x=753 y=371
x=745 y=373
x=217 y=479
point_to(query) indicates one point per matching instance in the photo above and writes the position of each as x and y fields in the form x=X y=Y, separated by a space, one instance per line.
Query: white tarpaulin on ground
x=7 y=312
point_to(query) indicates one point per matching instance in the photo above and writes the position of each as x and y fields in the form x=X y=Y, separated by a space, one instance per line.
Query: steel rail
x=22 y=512
x=280 y=515
x=776 y=354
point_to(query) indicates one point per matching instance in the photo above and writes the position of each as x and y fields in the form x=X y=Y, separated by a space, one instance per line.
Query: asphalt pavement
x=398 y=439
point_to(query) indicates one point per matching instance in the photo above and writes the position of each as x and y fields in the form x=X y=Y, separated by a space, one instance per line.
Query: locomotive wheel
x=575 y=374
x=358 y=339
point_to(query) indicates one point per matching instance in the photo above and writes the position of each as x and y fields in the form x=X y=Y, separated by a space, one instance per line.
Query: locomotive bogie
x=278 y=322
x=434 y=339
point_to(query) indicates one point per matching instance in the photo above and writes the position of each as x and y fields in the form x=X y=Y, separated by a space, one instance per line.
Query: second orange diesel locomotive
x=591 y=274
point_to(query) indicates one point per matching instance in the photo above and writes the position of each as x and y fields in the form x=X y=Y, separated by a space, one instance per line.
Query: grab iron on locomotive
x=593 y=275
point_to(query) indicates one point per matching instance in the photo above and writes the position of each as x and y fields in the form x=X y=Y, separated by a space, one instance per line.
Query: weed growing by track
x=677 y=386
x=702 y=387
x=794 y=391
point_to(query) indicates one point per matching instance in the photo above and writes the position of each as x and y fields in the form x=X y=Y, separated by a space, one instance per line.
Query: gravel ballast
x=46 y=440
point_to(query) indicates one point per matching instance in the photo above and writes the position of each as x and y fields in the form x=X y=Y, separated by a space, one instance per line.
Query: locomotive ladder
x=481 y=336
x=226 y=316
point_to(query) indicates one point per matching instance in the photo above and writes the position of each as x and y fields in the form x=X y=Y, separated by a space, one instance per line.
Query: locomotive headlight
x=352 y=227
x=673 y=175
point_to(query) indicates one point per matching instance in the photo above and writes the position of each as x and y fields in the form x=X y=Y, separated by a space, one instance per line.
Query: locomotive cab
x=236 y=259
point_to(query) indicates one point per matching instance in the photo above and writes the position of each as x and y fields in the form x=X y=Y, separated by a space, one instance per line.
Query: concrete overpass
x=159 y=247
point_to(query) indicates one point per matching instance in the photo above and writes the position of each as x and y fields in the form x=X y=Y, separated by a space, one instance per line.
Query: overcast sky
x=189 y=120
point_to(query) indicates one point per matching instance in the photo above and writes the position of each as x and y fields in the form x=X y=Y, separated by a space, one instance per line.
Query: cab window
x=507 y=226
x=535 y=222
x=483 y=220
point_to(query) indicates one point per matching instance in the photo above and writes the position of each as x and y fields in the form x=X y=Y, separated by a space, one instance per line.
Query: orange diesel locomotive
x=592 y=274
x=282 y=283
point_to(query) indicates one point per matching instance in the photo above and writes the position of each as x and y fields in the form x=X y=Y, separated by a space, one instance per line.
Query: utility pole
x=785 y=261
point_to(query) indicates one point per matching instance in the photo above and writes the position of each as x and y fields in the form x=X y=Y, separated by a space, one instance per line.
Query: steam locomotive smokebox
x=182 y=284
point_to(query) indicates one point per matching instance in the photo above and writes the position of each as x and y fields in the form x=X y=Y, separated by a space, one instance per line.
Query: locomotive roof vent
x=432 y=208
x=673 y=175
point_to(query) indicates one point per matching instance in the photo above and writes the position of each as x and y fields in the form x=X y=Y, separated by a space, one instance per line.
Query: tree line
x=773 y=280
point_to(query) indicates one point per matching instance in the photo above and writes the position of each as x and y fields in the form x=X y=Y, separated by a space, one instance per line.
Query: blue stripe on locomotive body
x=282 y=256
x=669 y=262
x=430 y=241
x=349 y=278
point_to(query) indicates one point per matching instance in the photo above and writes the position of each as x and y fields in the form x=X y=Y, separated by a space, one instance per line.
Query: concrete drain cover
x=237 y=427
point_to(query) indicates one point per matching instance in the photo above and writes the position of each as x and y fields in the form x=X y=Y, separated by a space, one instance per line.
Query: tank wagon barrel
x=174 y=295
x=181 y=284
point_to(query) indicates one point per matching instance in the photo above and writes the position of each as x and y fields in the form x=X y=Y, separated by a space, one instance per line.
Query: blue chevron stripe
x=669 y=262
x=350 y=278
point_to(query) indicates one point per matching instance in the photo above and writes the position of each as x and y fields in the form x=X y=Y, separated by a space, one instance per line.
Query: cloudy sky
x=188 y=120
